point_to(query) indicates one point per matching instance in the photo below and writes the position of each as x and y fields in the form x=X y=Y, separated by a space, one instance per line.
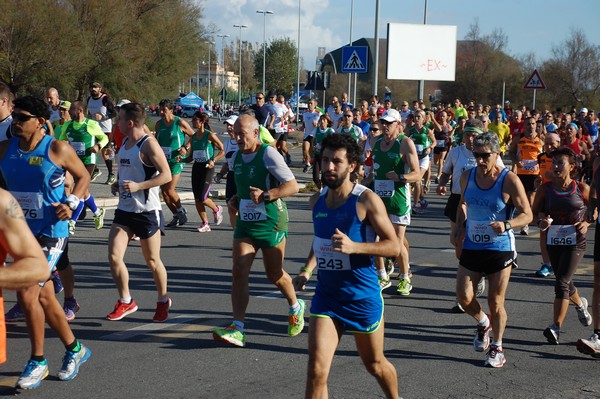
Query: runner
x=425 y=141
x=324 y=128
x=170 y=133
x=229 y=151
x=310 y=123
x=143 y=167
x=202 y=152
x=397 y=166
x=561 y=208
x=33 y=166
x=591 y=346
x=523 y=152
x=87 y=140
x=488 y=246
x=262 y=224
x=346 y=218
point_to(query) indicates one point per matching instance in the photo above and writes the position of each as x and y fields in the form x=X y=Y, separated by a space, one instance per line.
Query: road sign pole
x=533 y=105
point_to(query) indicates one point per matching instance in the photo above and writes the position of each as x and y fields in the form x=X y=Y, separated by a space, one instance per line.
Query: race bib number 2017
x=251 y=212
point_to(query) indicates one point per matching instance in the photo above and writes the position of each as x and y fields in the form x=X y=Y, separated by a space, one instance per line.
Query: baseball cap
x=231 y=120
x=95 y=84
x=65 y=104
x=583 y=110
x=122 y=102
x=391 y=115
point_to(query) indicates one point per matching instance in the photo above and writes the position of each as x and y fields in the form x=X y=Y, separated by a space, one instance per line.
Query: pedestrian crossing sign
x=355 y=59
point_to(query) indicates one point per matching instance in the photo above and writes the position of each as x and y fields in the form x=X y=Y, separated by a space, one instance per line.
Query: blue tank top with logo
x=343 y=277
x=36 y=182
x=483 y=207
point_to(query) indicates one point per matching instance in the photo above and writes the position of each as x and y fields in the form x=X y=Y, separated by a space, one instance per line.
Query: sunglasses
x=260 y=98
x=482 y=155
x=374 y=129
x=20 y=117
x=347 y=116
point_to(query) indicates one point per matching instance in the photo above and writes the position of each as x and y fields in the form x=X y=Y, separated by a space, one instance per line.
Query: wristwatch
x=266 y=196
x=507 y=225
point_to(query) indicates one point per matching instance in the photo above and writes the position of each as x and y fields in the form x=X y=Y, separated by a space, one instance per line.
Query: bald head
x=52 y=97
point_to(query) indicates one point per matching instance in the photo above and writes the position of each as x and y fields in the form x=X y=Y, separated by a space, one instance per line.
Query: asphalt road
x=430 y=347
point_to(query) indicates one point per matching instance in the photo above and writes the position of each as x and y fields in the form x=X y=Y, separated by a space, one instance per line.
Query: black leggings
x=564 y=261
x=201 y=180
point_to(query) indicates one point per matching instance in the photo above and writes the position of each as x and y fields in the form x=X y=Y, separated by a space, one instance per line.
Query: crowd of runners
x=372 y=165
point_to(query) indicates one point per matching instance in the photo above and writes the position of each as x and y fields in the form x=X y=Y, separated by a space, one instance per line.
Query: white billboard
x=421 y=52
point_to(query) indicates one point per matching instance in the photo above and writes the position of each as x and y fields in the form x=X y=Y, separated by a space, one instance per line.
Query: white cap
x=583 y=110
x=123 y=102
x=391 y=115
x=231 y=120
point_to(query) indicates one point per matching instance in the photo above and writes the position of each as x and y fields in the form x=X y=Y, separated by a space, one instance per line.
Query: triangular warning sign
x=354 y=62
x=535 y=81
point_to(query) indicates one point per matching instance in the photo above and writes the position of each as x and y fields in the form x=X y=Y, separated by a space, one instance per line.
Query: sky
x=530 y=25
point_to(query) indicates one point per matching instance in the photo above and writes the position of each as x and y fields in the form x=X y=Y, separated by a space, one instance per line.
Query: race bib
x=200 y=156
x=167 y=151
x=327 y=258
x=79 y=147
x=565 y=234
x=440 y=143
x=280 y=128
x=530 y=165
x=384 y=188
x=419 y=148
x=481 y=232
x=251 y=212
x=31 y=203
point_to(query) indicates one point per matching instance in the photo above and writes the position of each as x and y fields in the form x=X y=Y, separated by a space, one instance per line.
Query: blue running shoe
x=71 y=363
x=33 y=374
x=545 y=271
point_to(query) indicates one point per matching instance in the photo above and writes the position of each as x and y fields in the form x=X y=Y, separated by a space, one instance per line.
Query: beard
x=336 y=182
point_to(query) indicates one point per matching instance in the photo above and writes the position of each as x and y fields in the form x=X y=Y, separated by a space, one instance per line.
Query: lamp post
x=223 y=60
x=240 y=57
x=264 y=13
x=209 y=66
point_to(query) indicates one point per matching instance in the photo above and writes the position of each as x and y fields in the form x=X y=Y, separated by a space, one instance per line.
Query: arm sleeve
x=95 y=130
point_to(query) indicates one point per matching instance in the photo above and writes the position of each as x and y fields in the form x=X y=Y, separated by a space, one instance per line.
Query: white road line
x=149 y=328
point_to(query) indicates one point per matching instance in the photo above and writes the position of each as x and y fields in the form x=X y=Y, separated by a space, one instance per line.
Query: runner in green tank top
x=170 y=133
x=263 y=180
x=424 y=140
x=323 y=129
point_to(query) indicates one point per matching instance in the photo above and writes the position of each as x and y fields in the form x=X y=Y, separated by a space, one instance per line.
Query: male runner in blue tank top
x=484 y=221
x=346 y=217
x=33 y=166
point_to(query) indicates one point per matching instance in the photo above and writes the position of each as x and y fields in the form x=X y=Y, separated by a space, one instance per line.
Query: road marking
x=152 y=328
x=448 y=250
x=8 y=383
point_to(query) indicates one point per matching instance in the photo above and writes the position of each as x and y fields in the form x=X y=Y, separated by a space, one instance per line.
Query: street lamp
x=223 y=60
x=209 y=44
x=264 y=13
x=240 y=56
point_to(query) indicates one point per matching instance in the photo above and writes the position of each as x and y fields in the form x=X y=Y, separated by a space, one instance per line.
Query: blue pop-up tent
x=191 y=99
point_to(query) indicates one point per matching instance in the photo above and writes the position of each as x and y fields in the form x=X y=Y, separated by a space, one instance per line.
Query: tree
x=572 y=76
x=281 y=65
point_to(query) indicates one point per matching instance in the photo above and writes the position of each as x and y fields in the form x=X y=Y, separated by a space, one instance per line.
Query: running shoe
x=437 y=180
x=404 y=287
x=424 y=204
x=72 y=361
x=58 y=286
x=417 y=208
x=122 y=309
x=457 y=309
x=218 y=215
x=545 y=271
x=525 y=230
x=112 y=179
x=230 y=334
x=590 y=346
x=384 y=282
x=482 y=338
x=389 y=266
x=205 y=228
x=99 y=219
x=182 y=217
x=306 y=167
x=71 y=227
x=15 y=314
x=162 y=311
x=71 y=307
x=296 y=320
x=33 y=374
x=174 y=222
x=135 y=238
x=552 y=335
x=582 y=313
x=480 y=287
x=495 y=357
x=97 y=172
